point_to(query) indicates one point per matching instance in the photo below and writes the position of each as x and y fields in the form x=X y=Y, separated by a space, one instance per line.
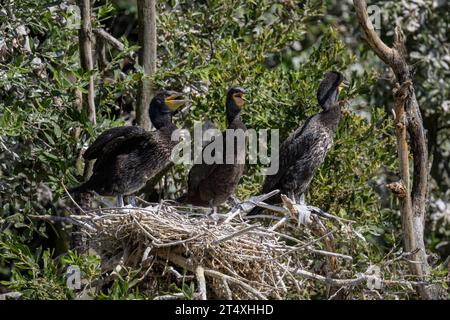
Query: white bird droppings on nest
x=238 y=260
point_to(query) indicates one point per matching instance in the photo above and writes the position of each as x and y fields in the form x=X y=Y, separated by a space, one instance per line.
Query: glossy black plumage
x=306 y=148
x=127 y=157
x=212 y=184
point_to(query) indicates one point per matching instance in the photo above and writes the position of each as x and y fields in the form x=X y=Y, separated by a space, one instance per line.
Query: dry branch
x=408 y=117
x=319 y=229
x=110 y=39
x=200 y=272
x=233 y=260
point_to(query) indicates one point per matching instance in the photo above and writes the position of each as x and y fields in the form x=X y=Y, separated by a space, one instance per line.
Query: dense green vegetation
x=278 y=51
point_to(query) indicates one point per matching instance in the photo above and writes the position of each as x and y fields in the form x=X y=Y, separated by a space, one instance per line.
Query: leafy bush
x=277 y=50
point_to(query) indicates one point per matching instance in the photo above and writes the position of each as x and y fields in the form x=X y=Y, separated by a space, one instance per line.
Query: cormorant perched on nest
x=305 y=149
x=212 y=184
x=128 y=156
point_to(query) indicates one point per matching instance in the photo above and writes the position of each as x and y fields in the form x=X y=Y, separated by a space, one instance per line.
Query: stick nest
x=231 y=259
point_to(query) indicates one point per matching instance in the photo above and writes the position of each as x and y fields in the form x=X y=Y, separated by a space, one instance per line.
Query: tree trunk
x=147 y=59
x=408 y=117
x=85 y=43
x=85 y=38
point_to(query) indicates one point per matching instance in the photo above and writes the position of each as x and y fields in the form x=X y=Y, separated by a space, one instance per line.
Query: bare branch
x=200 y=273
x=218 y=275
x=407 y=117
x=111 y=40
x=382 y=50
x=330 y=281
x=236 y=234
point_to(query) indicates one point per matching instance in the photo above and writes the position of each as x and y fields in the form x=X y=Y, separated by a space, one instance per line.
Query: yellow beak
x=343 y=85
x=240 y=100
x=173 y=103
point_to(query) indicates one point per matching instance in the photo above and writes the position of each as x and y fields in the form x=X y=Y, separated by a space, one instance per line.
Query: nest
x=229 y=258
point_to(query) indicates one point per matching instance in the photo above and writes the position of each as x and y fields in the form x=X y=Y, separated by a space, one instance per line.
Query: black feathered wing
x=202 y=171
x=213 y=183
x=114 y=136
x=126 y=163
x=292 y=149
x=299 y=157
x=125 y=146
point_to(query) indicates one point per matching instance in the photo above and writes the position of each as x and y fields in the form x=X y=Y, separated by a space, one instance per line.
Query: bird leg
x=103 y=201
x=132 y=200
x=302 y=210
x=213 y=214
x=235 y=200
x=120 y=200
x=292 y=196
x=301 y=199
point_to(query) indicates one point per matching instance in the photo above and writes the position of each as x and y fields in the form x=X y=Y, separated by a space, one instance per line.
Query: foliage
x=277 y=50
x=425 y=25
x=42 y=129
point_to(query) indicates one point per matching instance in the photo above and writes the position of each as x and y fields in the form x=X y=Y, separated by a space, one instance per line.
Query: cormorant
x=128 y=156
x=305 y=149
x=212 y=184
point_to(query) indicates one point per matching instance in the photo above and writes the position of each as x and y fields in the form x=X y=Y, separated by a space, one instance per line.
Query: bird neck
x=170 y=127
x=167 y=128
x=329 y=100
x=331 y=116
x=161 y=120
x=233 y=118
x=233 y=111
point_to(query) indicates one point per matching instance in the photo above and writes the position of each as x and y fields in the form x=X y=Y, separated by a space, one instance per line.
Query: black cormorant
x=212 y=184
x=128 y=156
x=305 y=149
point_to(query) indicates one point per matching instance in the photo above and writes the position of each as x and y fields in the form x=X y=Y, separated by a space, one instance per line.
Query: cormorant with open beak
x=128 y=156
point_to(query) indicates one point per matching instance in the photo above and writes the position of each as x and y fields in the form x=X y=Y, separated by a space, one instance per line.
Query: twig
x=174 y=296
x=330 y=281
x=278 y=224
x=70 y=197
x=200 y=273
x=334 y=254
x=233 y=215
x=69 y=220
x=172 y=270
x=218 y=275
x=228 y=293
x=238 y=233
x=176 y=243
x=108 y=37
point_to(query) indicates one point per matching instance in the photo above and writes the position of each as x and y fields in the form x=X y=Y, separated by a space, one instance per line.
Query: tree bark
x=85 y=37
x=85 y=40
x=408 y=117
x=147 y=59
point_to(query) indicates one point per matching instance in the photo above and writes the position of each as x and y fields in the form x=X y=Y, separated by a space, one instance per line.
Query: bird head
x=163 y=105
x=329 y=88
x=235 y=101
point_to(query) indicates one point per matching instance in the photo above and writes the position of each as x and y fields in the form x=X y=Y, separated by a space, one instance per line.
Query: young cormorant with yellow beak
x=128 y=156
x=209 y=185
